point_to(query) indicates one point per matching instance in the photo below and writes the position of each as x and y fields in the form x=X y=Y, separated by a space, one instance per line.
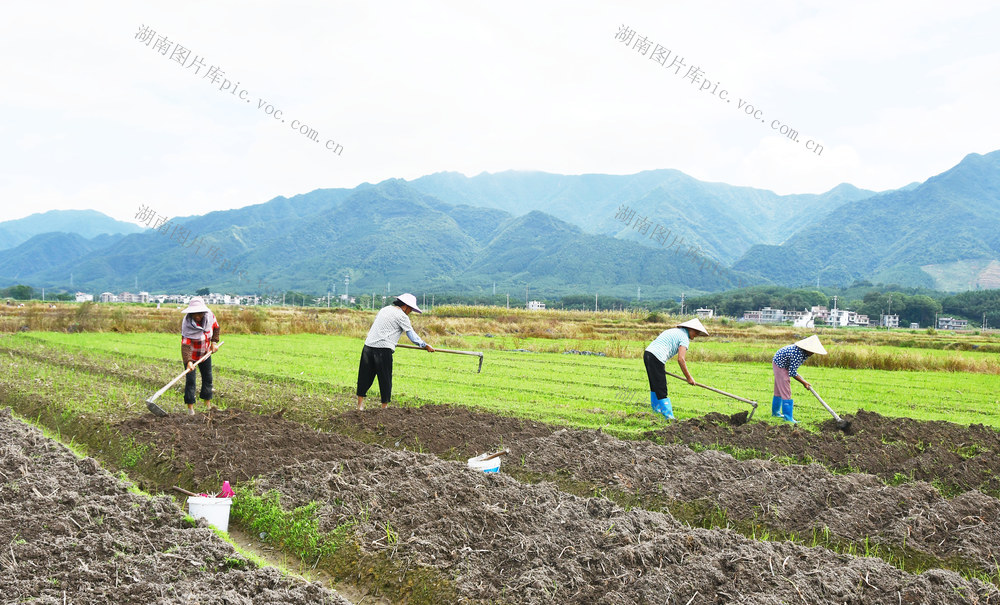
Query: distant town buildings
x=536 y=305
x=889 y=321
x=835 y=317
x=950 y=323
x=704 y=312
x=84 y=297
x=843 y=318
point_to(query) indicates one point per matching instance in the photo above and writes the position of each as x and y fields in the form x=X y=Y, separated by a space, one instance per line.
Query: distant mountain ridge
x=85 y=223
x=551 y=234
x=382 y=234
x=890 y=237
x=723 y=220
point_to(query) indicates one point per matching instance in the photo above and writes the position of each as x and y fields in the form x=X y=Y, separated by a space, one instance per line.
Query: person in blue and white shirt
x=669 y=343
x=376 y=357
x=786 y=364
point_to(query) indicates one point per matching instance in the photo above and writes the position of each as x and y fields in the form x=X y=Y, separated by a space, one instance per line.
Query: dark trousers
x=205 y=368
x=656 y=371
x=375 y=362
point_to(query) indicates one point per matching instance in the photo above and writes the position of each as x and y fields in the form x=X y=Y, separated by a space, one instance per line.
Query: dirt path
x=505 y=540
x=72 y=533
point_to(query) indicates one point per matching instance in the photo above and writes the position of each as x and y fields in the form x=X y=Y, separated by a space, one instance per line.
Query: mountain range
x=85 y=223
x=554 y=234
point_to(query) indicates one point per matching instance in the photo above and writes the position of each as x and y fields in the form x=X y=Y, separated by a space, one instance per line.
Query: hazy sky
x=92 y=117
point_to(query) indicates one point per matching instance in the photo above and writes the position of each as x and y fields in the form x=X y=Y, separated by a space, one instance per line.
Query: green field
x=572 y=390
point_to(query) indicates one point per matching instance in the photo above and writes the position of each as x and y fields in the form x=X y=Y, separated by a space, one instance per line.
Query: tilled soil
x=808 y=500
x=72 y=533
x=956 y=457
x=504 y=540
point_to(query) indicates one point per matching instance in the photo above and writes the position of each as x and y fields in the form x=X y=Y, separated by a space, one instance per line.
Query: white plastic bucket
x=213 y=510
x=487 y=466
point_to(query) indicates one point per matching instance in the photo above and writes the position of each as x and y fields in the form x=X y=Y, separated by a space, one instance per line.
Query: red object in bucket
x=227 y=491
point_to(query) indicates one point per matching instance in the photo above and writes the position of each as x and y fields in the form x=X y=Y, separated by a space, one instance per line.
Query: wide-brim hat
x=811 y=344
x=694 y=324
x=410 y=301
x=196 y=305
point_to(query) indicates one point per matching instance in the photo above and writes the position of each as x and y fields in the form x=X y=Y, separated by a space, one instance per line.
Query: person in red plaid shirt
x=199 y=335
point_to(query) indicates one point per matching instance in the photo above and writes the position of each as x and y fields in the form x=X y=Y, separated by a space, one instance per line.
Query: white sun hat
x=410 y=301
x=811 y=344
x=196 y=305
x=694 y=324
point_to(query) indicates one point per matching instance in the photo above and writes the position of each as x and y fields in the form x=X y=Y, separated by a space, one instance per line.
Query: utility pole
x=347 y=281
x=494 y=288
x=682 y=303
x=638 y=293
x=508 y=300
x=595 y=303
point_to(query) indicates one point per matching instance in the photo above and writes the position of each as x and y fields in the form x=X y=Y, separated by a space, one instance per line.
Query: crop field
x=598 y=501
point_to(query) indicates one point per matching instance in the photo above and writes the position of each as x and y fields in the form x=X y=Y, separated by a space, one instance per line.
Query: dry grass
x=620 y=334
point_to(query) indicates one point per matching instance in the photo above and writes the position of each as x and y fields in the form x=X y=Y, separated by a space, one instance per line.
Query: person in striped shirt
x=674 y=341
x=786 y=364
x=376 y=357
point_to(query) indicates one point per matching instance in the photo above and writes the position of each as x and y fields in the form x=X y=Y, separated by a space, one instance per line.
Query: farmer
x=376 y=357
x=199 y=335
x=786 y=364
x=674 y=341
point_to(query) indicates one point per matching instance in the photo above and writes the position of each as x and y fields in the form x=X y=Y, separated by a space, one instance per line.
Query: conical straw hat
x=811 y=344
x=410 y=301
x=694 y=324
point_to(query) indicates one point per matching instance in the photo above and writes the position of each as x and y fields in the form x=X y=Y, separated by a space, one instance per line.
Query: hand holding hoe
x=150 y=403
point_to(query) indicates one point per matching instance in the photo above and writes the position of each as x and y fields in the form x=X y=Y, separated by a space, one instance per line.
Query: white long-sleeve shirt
x=391 y=323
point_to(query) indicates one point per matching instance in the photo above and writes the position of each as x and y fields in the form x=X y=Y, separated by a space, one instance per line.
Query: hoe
x=478 y=354
x=705 y=386
x=843 y=425
x=151 y=402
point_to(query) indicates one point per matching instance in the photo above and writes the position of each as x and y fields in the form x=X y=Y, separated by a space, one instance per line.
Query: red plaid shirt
x=199 y=348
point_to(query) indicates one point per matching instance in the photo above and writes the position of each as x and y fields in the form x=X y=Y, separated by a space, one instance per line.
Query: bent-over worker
x=674 y=341
x=199 y=335
x=376 y=357
x=786 y=364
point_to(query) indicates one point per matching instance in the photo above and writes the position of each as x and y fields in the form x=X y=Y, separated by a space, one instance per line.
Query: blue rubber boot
x=666 y=409
x=654 y=401
x=786 y=409
x=776 y=407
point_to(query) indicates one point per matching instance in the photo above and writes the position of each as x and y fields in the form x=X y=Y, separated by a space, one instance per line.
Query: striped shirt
x=668 y=343
x=391 y=323
x=790 y=358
